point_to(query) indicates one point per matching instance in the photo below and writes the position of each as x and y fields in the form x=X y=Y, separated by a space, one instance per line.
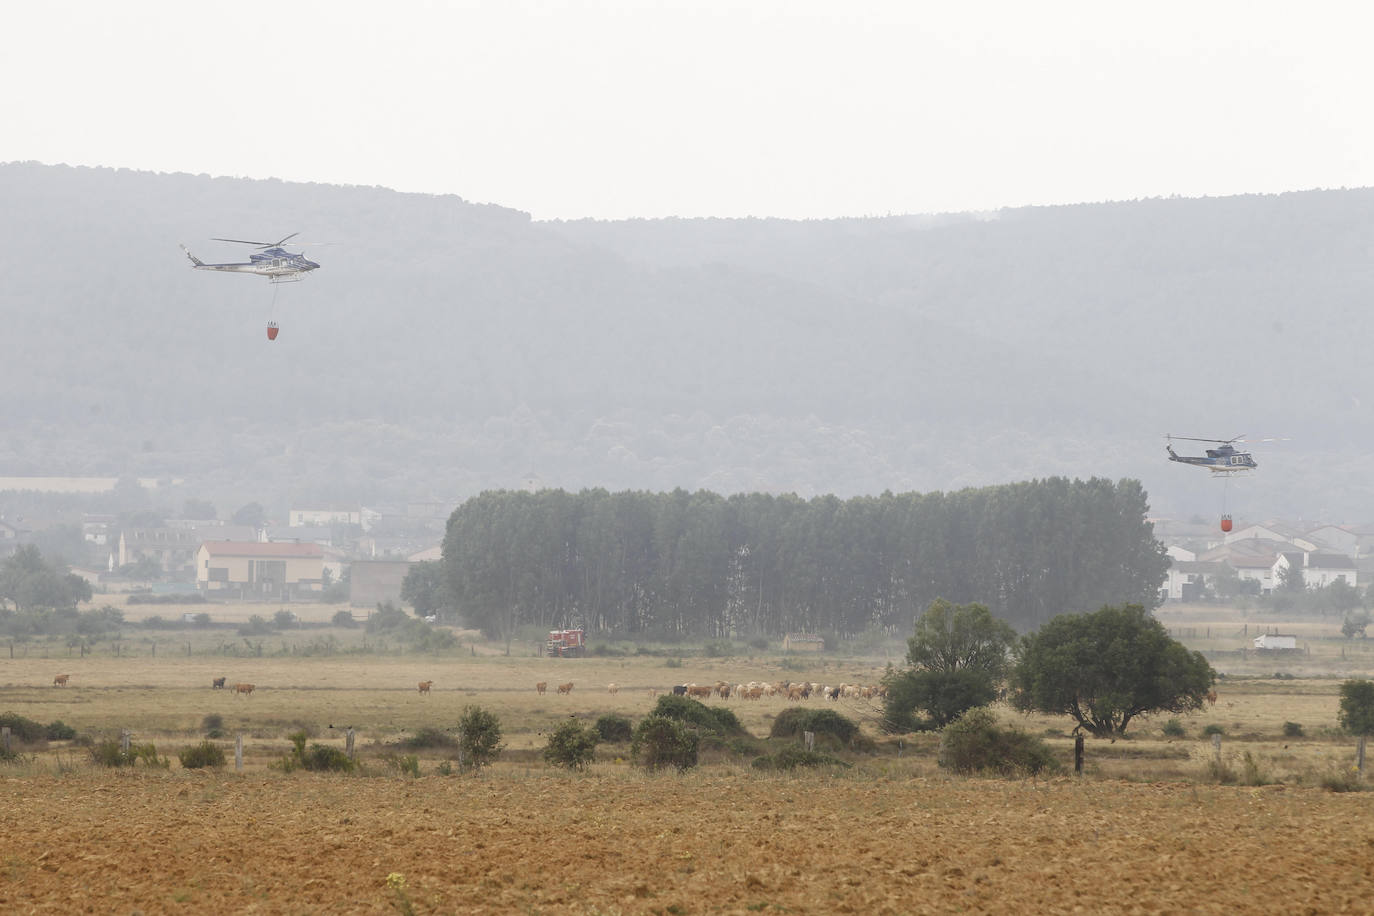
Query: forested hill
x=447 y=347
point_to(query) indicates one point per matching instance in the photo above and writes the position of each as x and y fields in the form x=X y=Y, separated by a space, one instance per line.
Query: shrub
x=759 y=642
x=345 y=619
x=1211 y=729
x=1342 y=781
x=1174 y=729
x=213 y=725
x=789 y=758
x=404 y=764
x=693 y=712
x=205 y=754
x=976 y=743
x=479 y=736
x=319 y=758
x=257 y=625
x=110 y=754
x=429 y=738
x=1292 y=730
x=59 y=731
x=572 y=746
x=660 y=741
x=718 y=648
x=614 y=729
x=831 y=728
x=23 y=729
x=672 y=663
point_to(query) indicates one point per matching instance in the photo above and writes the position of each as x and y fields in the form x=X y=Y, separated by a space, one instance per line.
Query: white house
x=1271 y=532
x=327 y=515
x=1276 y=641
x=1320 y=568
x=1334 y=537
x=1186 y=579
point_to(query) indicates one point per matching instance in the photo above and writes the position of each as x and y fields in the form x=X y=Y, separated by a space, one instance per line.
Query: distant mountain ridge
x=446 y=347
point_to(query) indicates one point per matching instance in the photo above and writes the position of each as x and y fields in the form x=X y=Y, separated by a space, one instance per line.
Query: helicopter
x=1224 y=459
x=271 y=261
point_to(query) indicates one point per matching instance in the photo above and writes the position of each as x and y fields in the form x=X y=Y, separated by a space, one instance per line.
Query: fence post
x=124 y=742
x=1078 y=755
x=348 y=744
x=1216 y=747
x=1359 y=756
x=810 y=739
x=5 y=739
x=238 y=754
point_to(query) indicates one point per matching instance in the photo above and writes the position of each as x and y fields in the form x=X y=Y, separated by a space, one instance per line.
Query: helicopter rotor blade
x=260 y=244
x=1195 y=439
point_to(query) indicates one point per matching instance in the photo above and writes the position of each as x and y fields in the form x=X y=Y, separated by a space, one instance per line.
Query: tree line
x=679 y=565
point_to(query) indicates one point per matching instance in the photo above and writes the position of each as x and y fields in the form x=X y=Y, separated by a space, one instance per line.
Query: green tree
x=1357 y=706
x=572 y=746
x=958 y=657
x=29 y=581
x=424 y=587
x=142 y=568
x=252 y=515
x=663 y=742
x=479 y=736
x=1107 y=667
x=1354 y=624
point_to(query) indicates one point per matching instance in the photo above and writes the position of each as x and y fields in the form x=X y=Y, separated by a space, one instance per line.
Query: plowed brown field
x=727 y=842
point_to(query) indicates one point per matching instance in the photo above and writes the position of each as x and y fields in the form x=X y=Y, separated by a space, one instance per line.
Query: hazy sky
x=707 y=107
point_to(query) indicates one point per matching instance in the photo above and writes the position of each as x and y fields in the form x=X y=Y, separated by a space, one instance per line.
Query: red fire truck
x=567 y=643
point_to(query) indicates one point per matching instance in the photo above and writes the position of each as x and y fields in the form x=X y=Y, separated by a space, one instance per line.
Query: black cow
x=680 y=690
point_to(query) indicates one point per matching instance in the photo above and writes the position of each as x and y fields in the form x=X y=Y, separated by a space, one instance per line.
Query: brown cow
x=425 y=685
x=244 y=689
x=60 y=680
x=541 y=687
x=702 y=691
x=217 y=684
x=565 y=688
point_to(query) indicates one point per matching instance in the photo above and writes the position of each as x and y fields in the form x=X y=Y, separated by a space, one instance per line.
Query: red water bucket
x=1226 y=523
x=272 y=330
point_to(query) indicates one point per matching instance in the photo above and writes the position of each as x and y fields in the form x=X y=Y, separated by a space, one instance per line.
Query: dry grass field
x=1147 y=829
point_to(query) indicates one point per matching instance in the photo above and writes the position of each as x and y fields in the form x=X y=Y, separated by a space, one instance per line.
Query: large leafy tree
x=958 y=657
x=28 y=581
x=424 y=587
x=1107 y=667
x=1357 y=706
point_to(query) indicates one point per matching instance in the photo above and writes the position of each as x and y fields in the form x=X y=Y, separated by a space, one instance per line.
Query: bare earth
x=701 y=843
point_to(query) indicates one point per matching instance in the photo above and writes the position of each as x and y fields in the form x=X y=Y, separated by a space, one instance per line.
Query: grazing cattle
x=1211 y=695
x=679 y=690
x=703 y=691
x=244 y=689
x=753 y=693
x=612 y=688
x=425 y=685
x=217 y=684
x=565 y=688
x=60 y=680
x=541 y=687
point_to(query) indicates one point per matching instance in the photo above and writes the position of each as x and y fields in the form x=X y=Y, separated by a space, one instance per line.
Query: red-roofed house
x=251 y=569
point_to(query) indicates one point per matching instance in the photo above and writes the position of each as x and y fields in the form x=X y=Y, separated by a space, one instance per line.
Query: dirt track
x=727 y=842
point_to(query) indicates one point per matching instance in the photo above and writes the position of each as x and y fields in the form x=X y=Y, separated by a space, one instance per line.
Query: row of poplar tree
x=682 y=565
